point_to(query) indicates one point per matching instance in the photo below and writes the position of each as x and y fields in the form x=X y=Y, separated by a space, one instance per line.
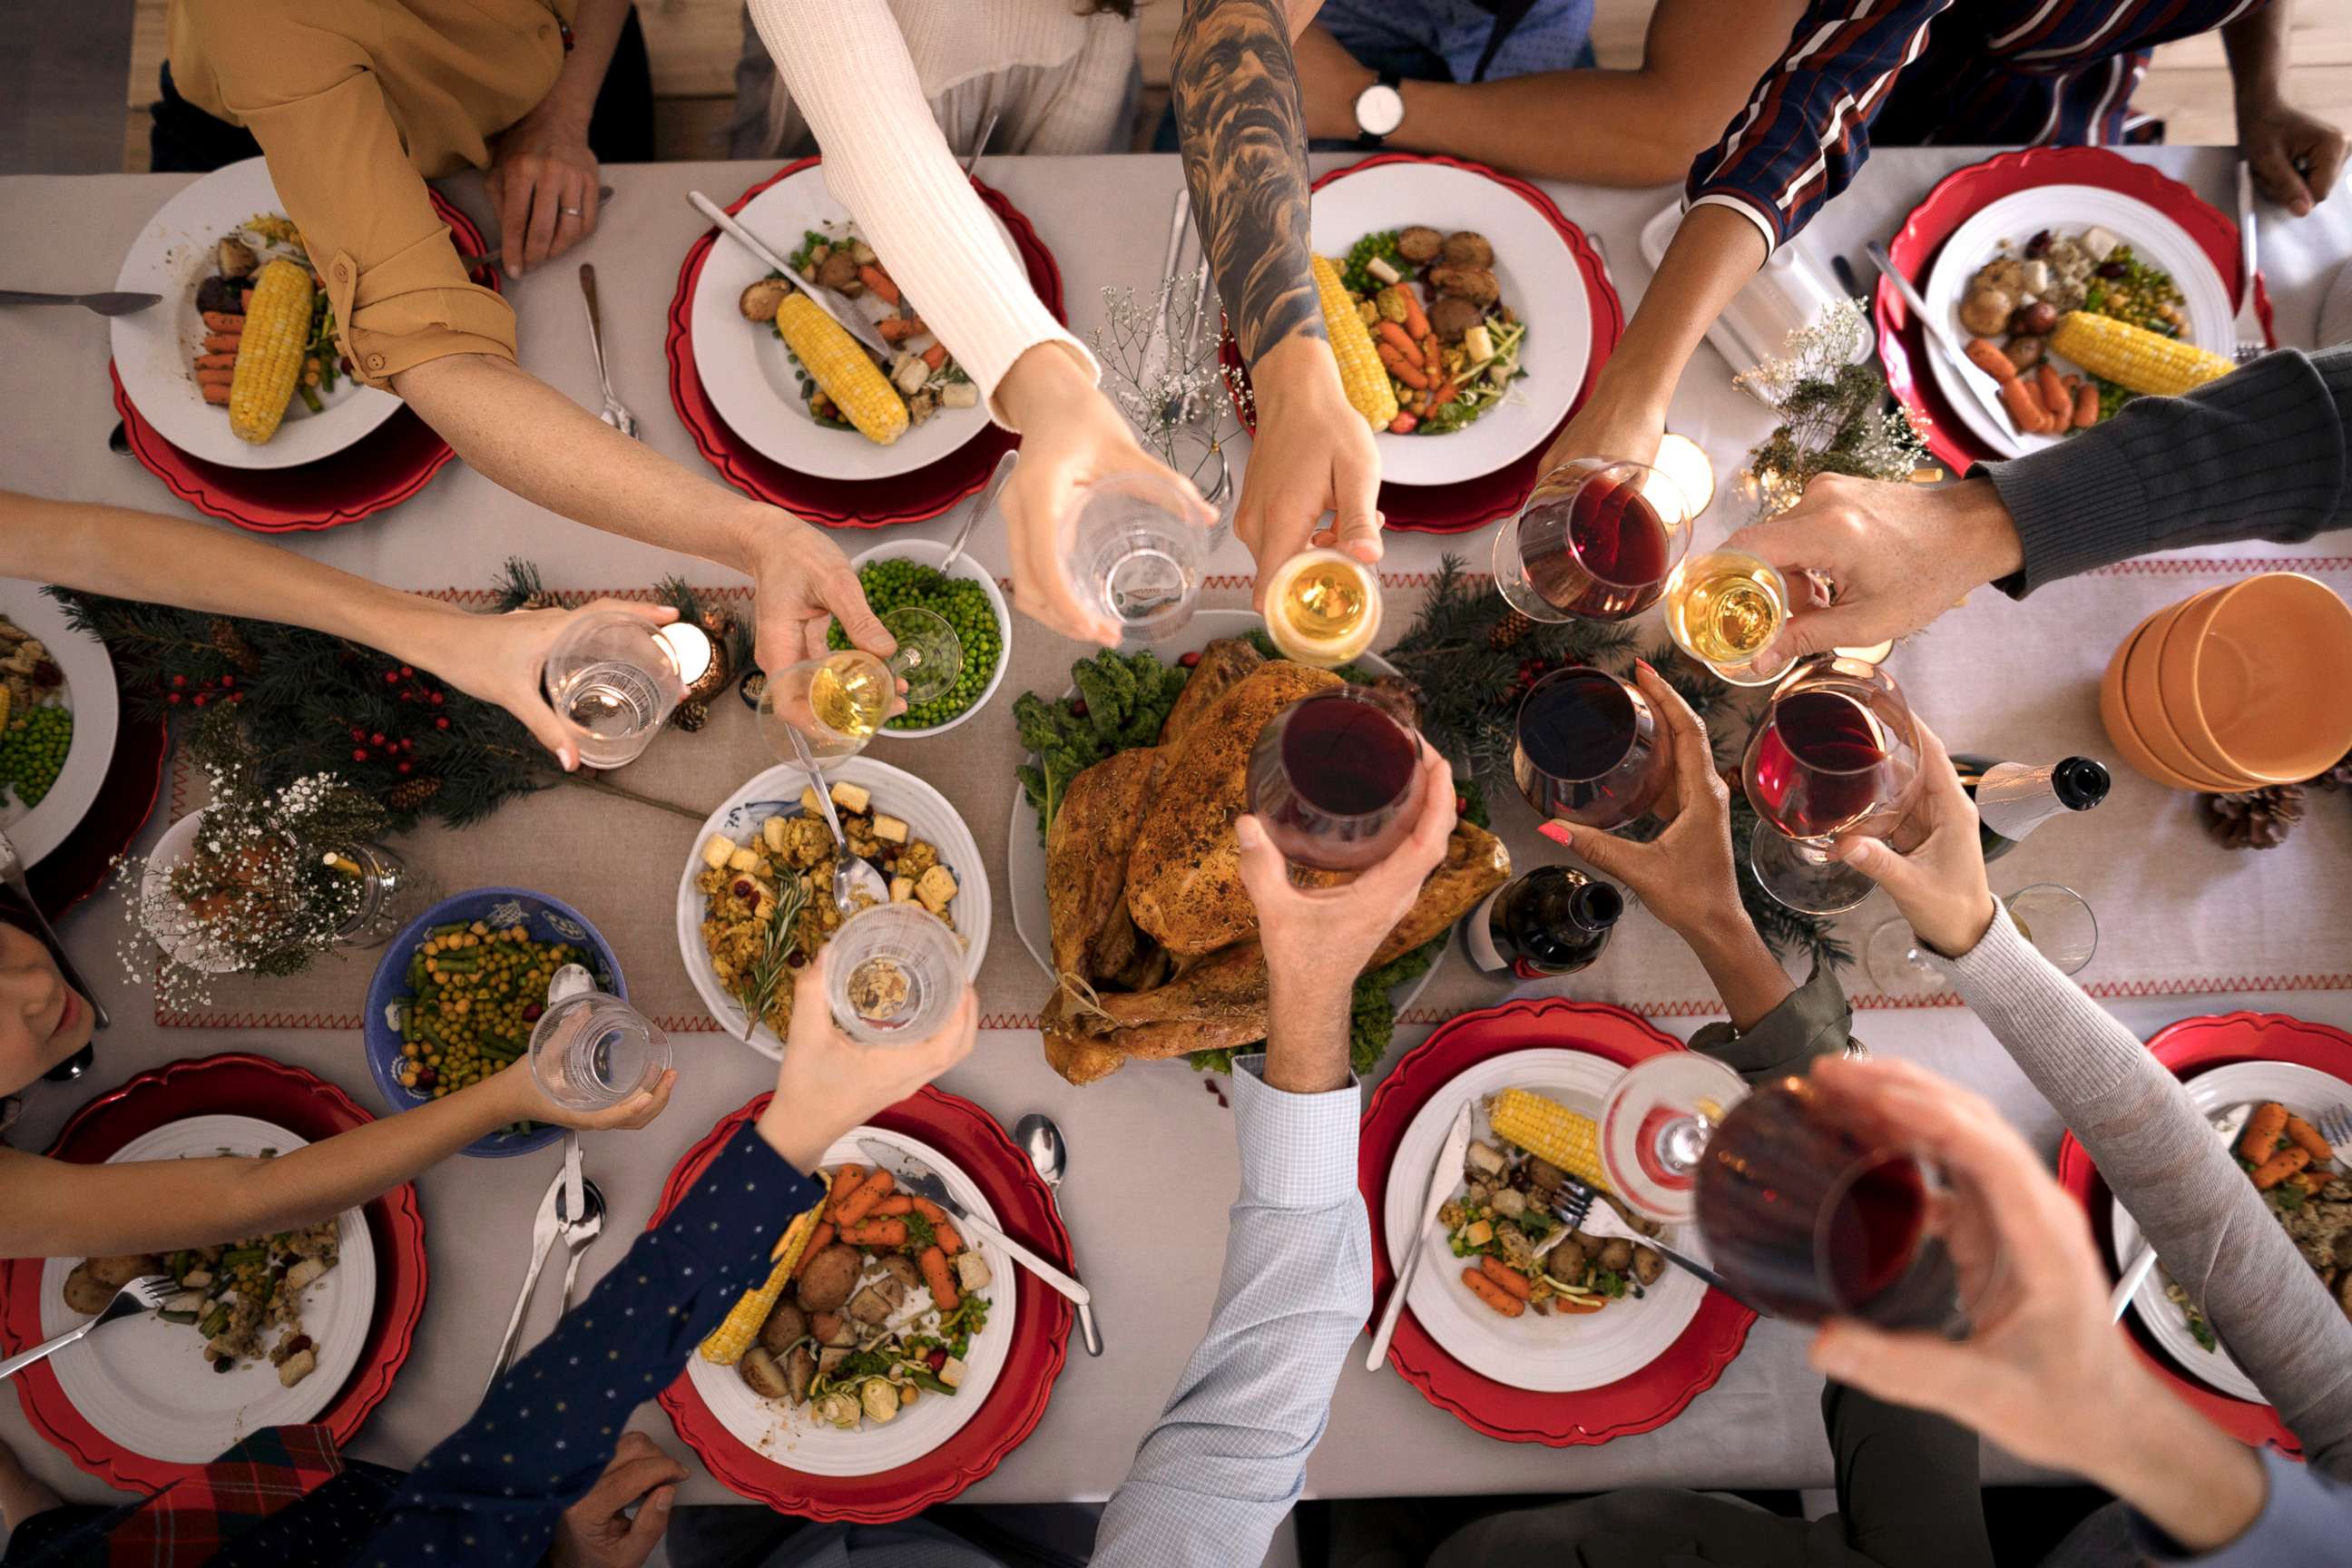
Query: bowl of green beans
x=458 y=991
x=907 y=572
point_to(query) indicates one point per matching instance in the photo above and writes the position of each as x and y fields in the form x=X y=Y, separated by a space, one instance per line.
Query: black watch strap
x=1365 y=139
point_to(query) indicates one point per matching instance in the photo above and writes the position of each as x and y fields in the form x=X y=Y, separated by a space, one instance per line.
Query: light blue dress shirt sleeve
x=1228 y=1456
x=2305 y=1517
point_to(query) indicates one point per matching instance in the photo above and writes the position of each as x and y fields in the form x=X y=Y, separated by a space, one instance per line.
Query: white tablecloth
x=1148 y=1141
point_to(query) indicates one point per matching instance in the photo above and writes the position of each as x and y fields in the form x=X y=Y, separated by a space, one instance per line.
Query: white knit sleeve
x=848 y=69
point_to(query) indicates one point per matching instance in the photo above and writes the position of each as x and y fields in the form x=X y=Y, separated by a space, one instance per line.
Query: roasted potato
x=2024 y=351
x=1616 y=1254
x=1420 y=244
x=785 y=1327
x=1474 y=284
x=759 y=300
x=899 y=1266
x=1451 y=317
x=838 y=271
x=1464 y=248
x=800 y=1370
x=1985 y=310
x=1647 y=1265
x=829 y=1279
x=761 y=1374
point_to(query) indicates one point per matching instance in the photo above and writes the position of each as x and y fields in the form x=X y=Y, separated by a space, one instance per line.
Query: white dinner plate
x=144 y=1383
x=1541 y=1354
x=749 y=375
x=2006 y=225
x=2305 y=1091
x=1024 y=853
x=777 y=793
x=1539 y=281
x=156 y=349
x=791 y=1438
x=90 y=696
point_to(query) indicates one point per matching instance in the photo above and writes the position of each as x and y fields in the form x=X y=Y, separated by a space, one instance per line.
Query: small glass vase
x=390 y=894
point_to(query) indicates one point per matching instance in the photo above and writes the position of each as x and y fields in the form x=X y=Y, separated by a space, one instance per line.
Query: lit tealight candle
x=1874 y=654
x=1684 y=461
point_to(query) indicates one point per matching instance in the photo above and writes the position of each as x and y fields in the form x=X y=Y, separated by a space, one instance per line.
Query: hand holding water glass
x=828 y=1082
x=613 y=677
x=1131 y=547
x=591 y=1052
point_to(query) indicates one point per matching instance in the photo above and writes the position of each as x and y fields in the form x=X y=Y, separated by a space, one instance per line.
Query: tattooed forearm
x=1235 y=90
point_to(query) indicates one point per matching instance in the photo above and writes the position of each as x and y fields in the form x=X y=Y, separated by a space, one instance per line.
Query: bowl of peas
x=907 y=572
x=457 y=992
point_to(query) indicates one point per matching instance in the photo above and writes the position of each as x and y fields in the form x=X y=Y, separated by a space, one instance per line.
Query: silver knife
x=544 y=1227
x=2227 y=1125
x=11 y=870
x=850 y=321
x=1440 y=1187
x=924 y=1183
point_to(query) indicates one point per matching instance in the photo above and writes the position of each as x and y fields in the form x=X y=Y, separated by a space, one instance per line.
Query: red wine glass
x=1589 y=749
x=1336 y=779
x=1596 y=541
x=1836 y=754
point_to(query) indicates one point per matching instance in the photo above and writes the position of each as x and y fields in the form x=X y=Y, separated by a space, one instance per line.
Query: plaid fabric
x=2008 y=72
x=196 y=1519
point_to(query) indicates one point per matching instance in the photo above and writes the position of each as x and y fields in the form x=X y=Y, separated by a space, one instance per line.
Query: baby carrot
x=1397 y=338
x=845 y=1182
x=1494 y=1295
x=2279 y=1167
x=936 y=1275
x=1508 y=1277
x=936 y=356
x=1416 y=320
x=1986 y=355
x=2025 y=409
x=2054 y=395
x=819 y=1239
x=1399 y=367
x=859 y=1204
x=2087 y=405
x=224 y=322
x=896 y=328
x=875 y=1233
x=950 y=1242
x=895 y=1205
x=2304 y=1135
x=879 y=282
x=214 y=392
x=2262 y=1131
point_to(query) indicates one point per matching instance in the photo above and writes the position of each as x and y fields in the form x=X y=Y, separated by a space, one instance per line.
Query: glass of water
x=614 y=680
x=1132 y=548
x=894 y=975
x=590 y=1051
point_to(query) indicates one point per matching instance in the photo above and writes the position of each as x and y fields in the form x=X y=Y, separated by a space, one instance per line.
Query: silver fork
x=1578 y=1206
x=2249 y=325
x=616 y=413
x=2335 y=1125
x=143 y=1294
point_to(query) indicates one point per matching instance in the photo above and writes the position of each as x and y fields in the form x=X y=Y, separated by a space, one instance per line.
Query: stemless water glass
x=590 y=1051
x=1595 y=541
x=1131 y=548
x=894 y=975
x=1589 y=749
x=1336 y=779
x=839 y=700
x=614 y=678
x=2054 y=917
x=1836 y=754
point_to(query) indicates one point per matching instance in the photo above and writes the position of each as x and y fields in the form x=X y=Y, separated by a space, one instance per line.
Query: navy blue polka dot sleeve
x=491 y=1492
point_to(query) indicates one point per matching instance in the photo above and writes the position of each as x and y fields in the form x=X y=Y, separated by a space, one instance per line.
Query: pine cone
x=411 y=794
x=2338 y=777
x=542 y=600
x=2258 y=819
x=1510 y=630
x=230 y=640
x=692 y=716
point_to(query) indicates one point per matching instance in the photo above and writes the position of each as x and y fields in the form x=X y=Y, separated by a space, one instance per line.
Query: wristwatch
x=1380 y=110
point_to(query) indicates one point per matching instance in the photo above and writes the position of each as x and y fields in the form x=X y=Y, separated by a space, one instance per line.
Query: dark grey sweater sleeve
x=2264 y=453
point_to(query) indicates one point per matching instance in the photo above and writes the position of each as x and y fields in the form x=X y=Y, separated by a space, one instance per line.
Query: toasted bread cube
x=902 y=889
x=889 y=829
x=716 y=853
x=852 y=797
x=809 y=802
x=936 y=888
x=952 y=1373
x=772 y=834
x=971 y=1271
x=743 y=860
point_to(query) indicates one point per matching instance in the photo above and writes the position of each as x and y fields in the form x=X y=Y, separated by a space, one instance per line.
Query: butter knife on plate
x=1433 y=1198
x=920 y=1181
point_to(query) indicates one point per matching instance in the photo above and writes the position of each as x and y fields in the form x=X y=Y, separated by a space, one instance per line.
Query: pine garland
x=1471 y=682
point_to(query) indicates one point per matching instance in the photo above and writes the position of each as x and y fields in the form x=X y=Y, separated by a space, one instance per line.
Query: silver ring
x=568 y=212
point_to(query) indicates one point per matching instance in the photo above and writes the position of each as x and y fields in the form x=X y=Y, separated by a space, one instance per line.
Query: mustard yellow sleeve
x=336 y=156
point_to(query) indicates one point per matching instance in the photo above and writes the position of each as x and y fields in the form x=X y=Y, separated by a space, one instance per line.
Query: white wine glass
x=1723 y=608
x=1323 y=607
x=2054 y=917
x=838 y=703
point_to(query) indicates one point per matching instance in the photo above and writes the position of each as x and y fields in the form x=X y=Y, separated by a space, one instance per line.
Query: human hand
x=498 y=659
x=1938 y=881
x=1621 y=420
x=828 y=1083
x=1335 y=931
x=1312 y=453
x=2274 y=137
x=542 y=174
x=1684 y=875
x=1897 y=554
x=594 y=1534
x=802 y=584
x=519 y=1099
x=1070 y=436
x=1329 y=82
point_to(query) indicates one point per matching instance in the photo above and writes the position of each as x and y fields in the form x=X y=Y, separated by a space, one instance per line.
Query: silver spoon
x=843 y=878
x=580 y=1234
x=988 y=494
x=1042 y=1140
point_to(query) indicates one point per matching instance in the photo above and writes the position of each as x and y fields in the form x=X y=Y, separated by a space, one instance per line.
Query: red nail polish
x=1556 y=831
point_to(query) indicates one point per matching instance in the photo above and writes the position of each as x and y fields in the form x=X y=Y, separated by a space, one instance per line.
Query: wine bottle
x=1553 y=920
x=2014 y=798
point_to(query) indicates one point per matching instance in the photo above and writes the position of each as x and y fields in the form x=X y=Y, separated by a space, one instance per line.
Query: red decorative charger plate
x=841 y=503
x=2189 y=1048
x=237 y=1084
x=1474 y=503
x=1041 y=1335
x=1902 y=343
x=1643 y=1401
x=382 y=469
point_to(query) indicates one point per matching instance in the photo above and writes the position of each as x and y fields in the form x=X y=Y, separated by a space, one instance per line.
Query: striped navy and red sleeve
x=1804 y=132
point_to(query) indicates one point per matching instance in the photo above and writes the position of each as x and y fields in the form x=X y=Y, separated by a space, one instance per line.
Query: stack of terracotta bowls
x=2235 y=687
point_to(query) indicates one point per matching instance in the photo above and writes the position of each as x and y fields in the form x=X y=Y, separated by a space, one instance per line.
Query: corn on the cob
x=1550 y=1130
x=2133 y=357
x=269 y=353
x=727 y=1342
x=1361 y=374
x=842 y=369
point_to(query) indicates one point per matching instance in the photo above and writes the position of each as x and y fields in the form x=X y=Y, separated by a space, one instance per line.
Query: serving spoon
x=1041 y=1141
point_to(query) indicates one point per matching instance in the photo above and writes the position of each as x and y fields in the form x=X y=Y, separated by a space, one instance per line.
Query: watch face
x=1380 y=110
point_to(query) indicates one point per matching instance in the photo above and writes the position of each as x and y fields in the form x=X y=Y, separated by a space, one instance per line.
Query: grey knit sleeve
x=2212 y=1231
x=2262 y=453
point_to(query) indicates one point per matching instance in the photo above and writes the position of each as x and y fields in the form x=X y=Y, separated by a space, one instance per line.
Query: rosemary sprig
x=775 y=957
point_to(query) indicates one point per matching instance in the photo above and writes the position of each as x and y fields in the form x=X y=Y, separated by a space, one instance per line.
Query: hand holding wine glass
x=1939 y=879
x=2042 y=1372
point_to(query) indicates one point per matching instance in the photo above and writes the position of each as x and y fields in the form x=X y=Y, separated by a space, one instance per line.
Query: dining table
x=2188 y=927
